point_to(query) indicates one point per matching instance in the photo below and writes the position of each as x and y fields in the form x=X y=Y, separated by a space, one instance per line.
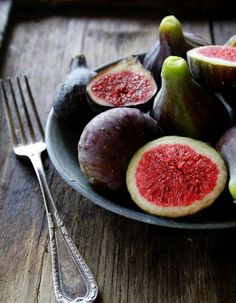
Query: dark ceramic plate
x=62 y=149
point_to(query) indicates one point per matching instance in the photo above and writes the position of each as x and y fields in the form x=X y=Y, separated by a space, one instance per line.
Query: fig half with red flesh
x=214 y=66
x=123 y=84
x=175 y=176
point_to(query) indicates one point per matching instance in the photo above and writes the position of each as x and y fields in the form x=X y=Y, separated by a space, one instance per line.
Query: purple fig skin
x=109 y=141
x=172 y=41
x=70 y=103
x=227 y=147
x=230 y=98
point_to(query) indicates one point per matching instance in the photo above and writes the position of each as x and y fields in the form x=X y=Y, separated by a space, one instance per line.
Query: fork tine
x=26 y=110
x=34 y=106
x=8 y=115
x=17 y=112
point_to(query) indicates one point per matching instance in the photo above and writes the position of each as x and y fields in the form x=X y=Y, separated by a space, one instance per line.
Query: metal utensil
x=73 y=281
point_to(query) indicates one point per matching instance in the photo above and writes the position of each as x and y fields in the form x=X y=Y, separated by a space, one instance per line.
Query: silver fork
x=73 y=281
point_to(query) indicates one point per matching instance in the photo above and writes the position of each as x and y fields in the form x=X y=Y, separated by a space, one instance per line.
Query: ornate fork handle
x=72 y=278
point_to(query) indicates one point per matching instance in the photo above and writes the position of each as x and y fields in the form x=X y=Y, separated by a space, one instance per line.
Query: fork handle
x=73 y=281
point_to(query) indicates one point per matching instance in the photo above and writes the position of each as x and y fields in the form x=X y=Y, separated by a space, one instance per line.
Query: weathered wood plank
x=131 y=261
x=5 y=6
x=223 y=30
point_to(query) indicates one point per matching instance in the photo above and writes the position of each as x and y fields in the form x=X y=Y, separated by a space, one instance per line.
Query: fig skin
x=227 y=147
x=108 y=142
x=172 y=41
x=70 y=104
x=214 y=74
x=229 y=98
x=129 y=64
x=231 y=41
x=183 y=108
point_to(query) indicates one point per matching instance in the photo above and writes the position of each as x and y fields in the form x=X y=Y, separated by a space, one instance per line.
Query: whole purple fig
x=70 y=104
x=109 y=141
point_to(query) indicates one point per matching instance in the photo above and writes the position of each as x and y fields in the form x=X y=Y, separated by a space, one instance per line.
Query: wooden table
x=131 y=261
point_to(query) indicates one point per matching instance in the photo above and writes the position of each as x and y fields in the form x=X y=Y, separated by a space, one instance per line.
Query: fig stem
x=175 y=68
x=171 y=29
x=78 y=61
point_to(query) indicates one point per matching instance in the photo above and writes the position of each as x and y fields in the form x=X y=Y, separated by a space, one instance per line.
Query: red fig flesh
x=124 y=84
x=175 y=176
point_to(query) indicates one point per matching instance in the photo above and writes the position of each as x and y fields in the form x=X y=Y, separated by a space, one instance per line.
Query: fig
x=175 y=176
x=214 y=66
x=227 y=147
x=70 y=103
x=172 y=41
x=231 y=41
x=123 y=84
x=108 y=142
x=184 y=108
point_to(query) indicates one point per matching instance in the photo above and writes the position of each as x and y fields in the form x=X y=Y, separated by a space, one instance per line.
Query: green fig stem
x=171 y=30
x=175 y=68
x=78 y=61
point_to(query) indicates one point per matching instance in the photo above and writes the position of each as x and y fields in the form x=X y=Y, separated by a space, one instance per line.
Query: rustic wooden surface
x=5 y=6
x=131 y=261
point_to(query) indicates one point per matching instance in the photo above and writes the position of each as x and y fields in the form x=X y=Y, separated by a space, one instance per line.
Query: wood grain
x=132 y=262
x=5 y=6
x=223 y=30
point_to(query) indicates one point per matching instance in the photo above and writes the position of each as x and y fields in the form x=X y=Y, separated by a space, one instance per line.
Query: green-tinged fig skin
x=214 y=77
x=108 y=142
x=183 y=108
x=231 y=41
x=168 y=45
x=99 y=108
x=227 y=147
x=70 y=103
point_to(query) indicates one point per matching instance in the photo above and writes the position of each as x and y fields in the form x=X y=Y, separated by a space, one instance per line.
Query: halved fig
x=214 y=66
x=123 y=84
x=109 y=141
x=175 y=176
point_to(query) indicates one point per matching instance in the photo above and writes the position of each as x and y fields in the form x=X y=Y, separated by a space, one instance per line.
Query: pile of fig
x=161 y=126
